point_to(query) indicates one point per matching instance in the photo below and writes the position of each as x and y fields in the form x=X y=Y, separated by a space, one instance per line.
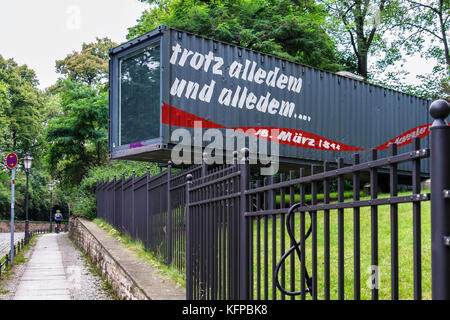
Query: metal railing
x=139 y=206
x=240 y=239
x=305 y=244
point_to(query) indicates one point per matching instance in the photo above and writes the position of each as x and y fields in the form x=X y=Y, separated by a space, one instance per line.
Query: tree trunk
x=362 y=64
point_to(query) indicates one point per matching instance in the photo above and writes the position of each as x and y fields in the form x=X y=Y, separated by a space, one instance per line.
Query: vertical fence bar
x=133 y=212
x=229 y=255
x=258 y=244
x=169 y=216
x=236 y=237
x=225 y=260
x=211 y=213
x=302 y=238
x=314 y=189
x=122 y=203
x=188 y=240
x=266 y=244
x=356 y=234
x=221 y=269
x=393 y=182
x=207 y=243
x=282 y=235
x=97 y=197
x=113 y=202
x=292 y=256
x=251 y=251
x=326 y=234
x=272 y=198
x=440 y=200
x=202 y=242
x=416 y=225
x=243 y=228
x=215 y=232
x=341 y=257
x=147 y=209
x=374 y=226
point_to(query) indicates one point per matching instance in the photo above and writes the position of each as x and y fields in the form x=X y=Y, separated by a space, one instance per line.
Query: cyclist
x=58 y=219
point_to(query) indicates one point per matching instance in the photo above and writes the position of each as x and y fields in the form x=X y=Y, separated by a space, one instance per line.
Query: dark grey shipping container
x=166 y=78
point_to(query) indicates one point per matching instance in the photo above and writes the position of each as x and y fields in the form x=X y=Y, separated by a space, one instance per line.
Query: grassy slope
x=138 y=248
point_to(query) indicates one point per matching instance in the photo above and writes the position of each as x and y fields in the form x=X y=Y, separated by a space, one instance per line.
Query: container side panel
x=319 y=116
x=231 y=87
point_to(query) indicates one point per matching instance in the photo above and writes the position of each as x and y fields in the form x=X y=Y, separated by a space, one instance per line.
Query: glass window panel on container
x=139 y=108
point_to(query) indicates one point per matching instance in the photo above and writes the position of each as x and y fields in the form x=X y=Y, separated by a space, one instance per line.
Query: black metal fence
x=287 y=239
x=139 y=207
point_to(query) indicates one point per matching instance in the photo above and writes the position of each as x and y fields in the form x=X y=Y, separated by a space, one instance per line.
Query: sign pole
x=13 y=174
x=11 y=162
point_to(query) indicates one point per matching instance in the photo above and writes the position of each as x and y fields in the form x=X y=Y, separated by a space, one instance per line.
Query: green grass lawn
x=405 y=244
x=333 y=196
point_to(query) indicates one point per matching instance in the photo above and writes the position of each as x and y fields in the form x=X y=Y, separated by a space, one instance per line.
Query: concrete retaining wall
x=124 y=285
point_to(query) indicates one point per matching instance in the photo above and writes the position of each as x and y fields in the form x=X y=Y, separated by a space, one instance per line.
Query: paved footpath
x=55 y=271
x=44 y=277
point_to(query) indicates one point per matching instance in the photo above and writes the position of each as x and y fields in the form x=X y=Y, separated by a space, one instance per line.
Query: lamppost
x=50 y=187
x=27 y=161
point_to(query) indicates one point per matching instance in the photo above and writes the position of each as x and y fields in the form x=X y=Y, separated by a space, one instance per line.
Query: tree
x=359 y=27
x=21 y=107
x=290 y=29
x=4 y=102
x=424 y=27
x=78 y=138
x=88 y=66
x=429 y=17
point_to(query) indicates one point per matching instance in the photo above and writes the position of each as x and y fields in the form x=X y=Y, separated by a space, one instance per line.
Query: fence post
x=97 y=198
x=188 y=241
x=243 y=228
x=102 y=201
x=133 y=228
x=169 y=216
x=440 y=201
x=147 y=210
x=122 y=226
x=114 y=202
x=106 y=200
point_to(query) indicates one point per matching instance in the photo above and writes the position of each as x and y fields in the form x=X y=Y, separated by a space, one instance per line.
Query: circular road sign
x=11 y=160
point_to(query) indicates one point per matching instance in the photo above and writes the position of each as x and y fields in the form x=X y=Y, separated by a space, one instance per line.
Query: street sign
x=11 y=160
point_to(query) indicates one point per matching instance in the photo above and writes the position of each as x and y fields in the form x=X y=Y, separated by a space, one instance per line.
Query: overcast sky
x=39 y=32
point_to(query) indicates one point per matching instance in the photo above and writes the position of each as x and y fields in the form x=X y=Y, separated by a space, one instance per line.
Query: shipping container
x=168 y=79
